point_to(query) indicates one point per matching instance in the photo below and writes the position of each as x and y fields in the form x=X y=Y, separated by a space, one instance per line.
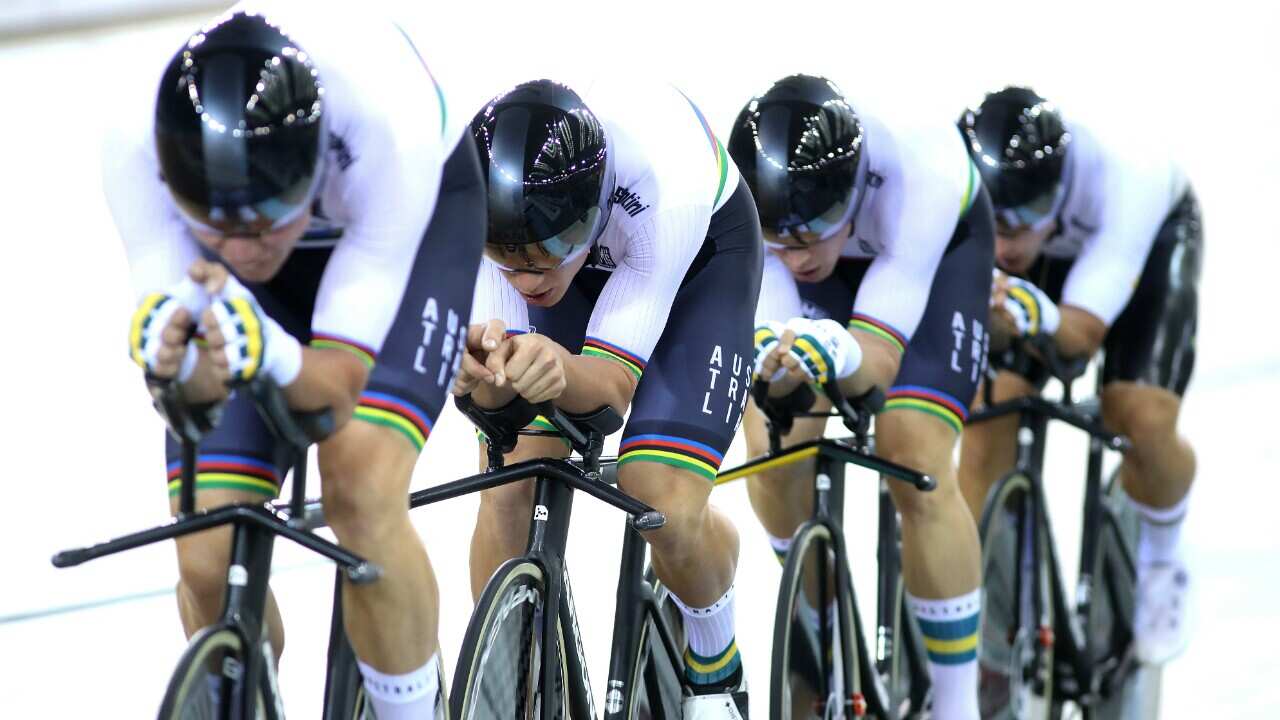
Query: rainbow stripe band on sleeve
x=365 y=354
x=717 y=149
x=923 y=399
x=595 y=347
x=866 y=323
x=383 y=409
x=228 y=472
x=677 y=452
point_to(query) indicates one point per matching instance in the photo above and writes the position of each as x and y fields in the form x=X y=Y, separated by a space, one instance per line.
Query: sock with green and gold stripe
x=780 y=547
x=712 y=661
x=950 y=630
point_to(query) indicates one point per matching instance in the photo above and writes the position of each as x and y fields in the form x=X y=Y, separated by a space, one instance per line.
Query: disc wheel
x=500 y=666
x=209 y=680
x=811 y=674
x=1015 y=657
x=655 y=681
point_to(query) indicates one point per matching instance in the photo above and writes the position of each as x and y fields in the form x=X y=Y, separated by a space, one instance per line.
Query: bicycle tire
x=907 y=682
x=499 y=666
x=1015 y=650
x=1113 y=598
x=804 y=680
x=656 y=684
x=216 y=651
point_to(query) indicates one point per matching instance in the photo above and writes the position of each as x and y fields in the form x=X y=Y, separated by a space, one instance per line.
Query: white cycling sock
x=950 y=629
x=709 y=629
x=1161 y=532
x=411 y=696
x=780 y=546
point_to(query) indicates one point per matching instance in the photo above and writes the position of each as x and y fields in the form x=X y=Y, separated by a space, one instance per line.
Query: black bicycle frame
x=255 y=527
x=1071 y=641
x=831 y=457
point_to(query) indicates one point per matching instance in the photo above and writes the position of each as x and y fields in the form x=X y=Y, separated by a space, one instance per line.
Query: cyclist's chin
x=259 y=269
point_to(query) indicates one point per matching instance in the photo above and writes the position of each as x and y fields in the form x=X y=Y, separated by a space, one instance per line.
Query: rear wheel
x=1015 y=656
x=500 y=666
x=209 y=680
x=812 y=674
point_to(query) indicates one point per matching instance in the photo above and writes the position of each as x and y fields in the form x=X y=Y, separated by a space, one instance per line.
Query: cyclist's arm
x=1103 y=277
x=633 y=308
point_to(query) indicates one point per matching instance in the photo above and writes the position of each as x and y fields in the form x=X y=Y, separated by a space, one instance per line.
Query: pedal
x=721 y=706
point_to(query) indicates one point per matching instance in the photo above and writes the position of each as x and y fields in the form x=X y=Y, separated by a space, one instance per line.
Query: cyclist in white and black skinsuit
x=1102 y=245
x=880 y=255
x=624 y=256
x=272 y=118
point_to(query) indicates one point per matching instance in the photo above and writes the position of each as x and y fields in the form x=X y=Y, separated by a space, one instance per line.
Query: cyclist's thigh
x=690 y=399
x=1153 y=341
x=410 y=381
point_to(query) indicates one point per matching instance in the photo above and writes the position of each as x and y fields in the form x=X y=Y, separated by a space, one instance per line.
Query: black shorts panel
x=689 y=401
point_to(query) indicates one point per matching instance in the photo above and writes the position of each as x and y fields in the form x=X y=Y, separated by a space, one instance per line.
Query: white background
x=82 y=446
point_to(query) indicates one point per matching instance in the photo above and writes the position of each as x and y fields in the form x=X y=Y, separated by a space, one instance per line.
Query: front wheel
x=500 y=669
x=656 y=680
x=812 y=674
x=1015 y=657
x=208 y=683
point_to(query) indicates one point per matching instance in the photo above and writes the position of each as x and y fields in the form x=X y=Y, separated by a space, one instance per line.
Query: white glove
x=766 y=338
x=1032 y=310
x=153 y=316
x=255 y=343
x=825 y=349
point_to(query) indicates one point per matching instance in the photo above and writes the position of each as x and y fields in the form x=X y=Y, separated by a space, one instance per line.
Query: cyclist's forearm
x=1080 y=333
x=330 y=379
x=591 y=382
x=880 y=362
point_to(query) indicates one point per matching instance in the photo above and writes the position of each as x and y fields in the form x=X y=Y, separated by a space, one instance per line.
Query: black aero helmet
x=548 y=174
x=1019 y=143
x=798 y=147
x=240 y=127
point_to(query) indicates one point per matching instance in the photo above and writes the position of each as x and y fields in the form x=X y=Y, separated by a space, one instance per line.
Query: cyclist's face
x=545 y=288
x=1018 y=247
x=809 y=258
x=259 y=258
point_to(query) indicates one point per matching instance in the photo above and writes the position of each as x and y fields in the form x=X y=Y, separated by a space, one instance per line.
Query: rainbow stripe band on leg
x=927 y=400
x=866 y=323
x=398 y=414
x=595 y=347
x=677 y=452
x=228 y=472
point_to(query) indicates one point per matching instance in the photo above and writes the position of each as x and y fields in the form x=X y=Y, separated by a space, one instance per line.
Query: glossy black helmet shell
x=798 y=147
x=547 y=167
x=240 y=127
x=1019 y=143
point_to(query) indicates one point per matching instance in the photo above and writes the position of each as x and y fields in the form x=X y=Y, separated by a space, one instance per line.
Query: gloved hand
x=825 y=349
x=251 y=342
x=1032 y=311
x=161 y=331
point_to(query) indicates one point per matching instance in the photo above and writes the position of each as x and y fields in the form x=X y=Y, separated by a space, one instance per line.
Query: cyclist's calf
x=1159 y=468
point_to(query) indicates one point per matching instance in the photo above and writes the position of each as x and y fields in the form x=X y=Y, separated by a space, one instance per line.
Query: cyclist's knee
x=203 y=559
x=680 y=495
x=1148 y=416
x=365 y=471
x=511 y=500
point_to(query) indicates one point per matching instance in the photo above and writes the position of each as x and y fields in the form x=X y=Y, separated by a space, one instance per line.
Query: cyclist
x=1101 y=244
x=252 y=140
x=878 y=274
x=623 y=255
